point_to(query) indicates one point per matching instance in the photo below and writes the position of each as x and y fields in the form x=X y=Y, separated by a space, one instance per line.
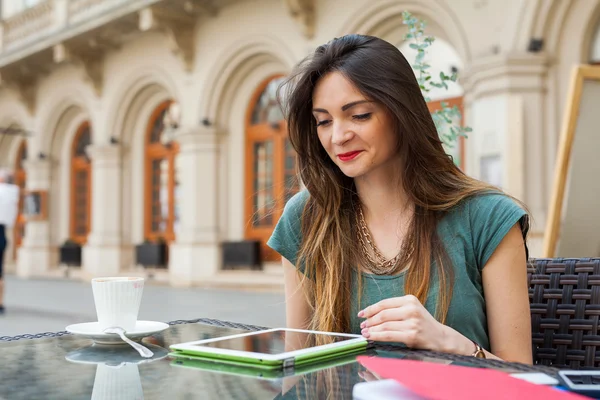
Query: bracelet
x=479 y=353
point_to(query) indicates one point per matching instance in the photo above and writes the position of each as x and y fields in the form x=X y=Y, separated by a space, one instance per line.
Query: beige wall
x=514 y=98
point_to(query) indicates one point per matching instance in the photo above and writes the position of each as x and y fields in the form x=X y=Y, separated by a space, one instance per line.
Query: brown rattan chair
x=564 y=299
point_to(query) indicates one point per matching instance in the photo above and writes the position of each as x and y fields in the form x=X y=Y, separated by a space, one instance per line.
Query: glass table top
x=71 y=367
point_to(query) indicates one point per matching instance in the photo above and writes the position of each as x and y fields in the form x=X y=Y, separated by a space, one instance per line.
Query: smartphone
x=586 y=383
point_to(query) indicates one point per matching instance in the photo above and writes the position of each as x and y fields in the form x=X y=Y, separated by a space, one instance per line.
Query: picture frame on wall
x=35 y=205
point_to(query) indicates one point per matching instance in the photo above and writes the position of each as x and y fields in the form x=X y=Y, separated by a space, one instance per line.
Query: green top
x=471 y=232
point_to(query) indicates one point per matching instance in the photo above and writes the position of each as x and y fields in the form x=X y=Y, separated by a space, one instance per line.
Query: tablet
x=243 y=370
x=266 y=349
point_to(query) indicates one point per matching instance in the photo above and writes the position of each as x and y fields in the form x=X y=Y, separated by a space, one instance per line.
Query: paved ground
x=48 y=305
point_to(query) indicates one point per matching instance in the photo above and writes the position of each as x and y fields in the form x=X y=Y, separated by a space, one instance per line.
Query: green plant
x=445 y=117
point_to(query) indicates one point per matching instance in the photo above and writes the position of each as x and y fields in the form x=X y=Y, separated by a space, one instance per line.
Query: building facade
x=155 y=120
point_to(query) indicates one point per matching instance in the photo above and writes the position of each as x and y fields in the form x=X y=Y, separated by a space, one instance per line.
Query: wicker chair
x=564 y=299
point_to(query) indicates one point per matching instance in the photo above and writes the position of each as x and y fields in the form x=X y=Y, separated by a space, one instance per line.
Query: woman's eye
x=362 y=117
x=321 y=123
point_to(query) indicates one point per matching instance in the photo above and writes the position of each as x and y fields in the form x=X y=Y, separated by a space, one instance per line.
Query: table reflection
x=69 y=367
x=117 y=374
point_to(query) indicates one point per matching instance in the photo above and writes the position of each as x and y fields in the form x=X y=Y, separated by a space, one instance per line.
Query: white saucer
x=114 y=356
x=91 y=330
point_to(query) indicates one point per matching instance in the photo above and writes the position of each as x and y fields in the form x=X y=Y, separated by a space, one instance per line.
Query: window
x=161 y=216
x=271 y=177
x=20 y=181
x=81 y=185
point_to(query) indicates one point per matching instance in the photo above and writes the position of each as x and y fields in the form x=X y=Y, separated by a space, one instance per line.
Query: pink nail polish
x=361 y=314
x=363 y=324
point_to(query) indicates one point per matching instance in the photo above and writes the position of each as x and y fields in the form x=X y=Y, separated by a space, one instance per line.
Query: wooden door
x=20 y=181
x=270 y=177
x=161 y=214
x=81 y=186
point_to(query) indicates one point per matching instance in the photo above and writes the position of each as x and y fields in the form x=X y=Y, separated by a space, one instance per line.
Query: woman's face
x=357 y=133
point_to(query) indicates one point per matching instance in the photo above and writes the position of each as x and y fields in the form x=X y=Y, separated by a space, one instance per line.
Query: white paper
x=385 y=389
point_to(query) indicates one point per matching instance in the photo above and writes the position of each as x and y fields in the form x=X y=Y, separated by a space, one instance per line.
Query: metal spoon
x=144 y=351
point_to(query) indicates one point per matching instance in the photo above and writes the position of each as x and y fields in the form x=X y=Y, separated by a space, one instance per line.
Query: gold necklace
x=378 y=264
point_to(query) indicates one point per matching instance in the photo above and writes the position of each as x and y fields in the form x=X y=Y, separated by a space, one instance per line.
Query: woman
x=390 y=239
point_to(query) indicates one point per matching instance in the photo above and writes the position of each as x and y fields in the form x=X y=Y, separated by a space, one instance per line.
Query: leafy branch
x=445 y=116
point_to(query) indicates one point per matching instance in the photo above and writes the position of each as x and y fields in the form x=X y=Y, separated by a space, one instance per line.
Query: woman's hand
x=405 y=320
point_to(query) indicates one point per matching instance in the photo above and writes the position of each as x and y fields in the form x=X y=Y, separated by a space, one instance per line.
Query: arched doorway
x=161 y=212
x=20 y=181
x=271 y=178
x=81 y=185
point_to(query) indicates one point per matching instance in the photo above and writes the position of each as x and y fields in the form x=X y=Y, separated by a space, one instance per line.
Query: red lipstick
x=351 y=155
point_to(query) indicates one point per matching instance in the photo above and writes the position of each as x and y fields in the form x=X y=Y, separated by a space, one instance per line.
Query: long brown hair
x=431 y=180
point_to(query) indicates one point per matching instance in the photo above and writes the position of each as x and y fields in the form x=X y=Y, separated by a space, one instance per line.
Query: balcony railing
x=54 y=16
x=81 y=10
x=28 y=25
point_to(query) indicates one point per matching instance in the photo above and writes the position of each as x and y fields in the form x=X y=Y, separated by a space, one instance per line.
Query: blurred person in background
x=9 y=204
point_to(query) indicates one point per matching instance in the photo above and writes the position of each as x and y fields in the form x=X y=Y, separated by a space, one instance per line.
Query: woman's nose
x=341 y=134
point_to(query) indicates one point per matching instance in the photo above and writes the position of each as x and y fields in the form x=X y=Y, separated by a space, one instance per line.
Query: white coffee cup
x=120 y=382
x=117 y=301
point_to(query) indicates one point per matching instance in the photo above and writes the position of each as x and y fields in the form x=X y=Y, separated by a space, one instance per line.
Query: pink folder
x=449 y=382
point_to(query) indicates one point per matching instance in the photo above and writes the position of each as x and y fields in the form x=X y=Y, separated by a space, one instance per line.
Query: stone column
x=196 y=251
x=102 y=255
x=1 y=36
x=61 y=13
x=506 y=107
x=36 y=255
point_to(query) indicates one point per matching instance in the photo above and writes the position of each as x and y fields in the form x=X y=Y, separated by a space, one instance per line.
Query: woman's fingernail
x=363 y=324
x=365 y=333
x=361 y=313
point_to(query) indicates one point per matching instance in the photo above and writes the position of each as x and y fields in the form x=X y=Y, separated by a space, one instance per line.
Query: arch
x=133 y=91
x=13 y=112
x=81 y=185
x=9 y=146
x=531 y=20
x=12 y=115
x=231 y=82
x=129 y=118
x=56 y=144
x=56 y=122
x=234 y=65
x=549 y=20
x=58 y=96
x=15 y=150
x=384 y=19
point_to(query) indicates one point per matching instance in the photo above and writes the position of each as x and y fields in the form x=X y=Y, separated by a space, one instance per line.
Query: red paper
x=450 y=382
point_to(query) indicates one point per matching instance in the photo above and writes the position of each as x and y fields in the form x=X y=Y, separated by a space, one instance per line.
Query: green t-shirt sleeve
x=287 y=235
x=491 y=217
